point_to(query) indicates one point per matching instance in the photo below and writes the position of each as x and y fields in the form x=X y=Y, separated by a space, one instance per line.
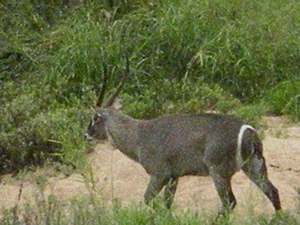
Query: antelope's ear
x=117 y=104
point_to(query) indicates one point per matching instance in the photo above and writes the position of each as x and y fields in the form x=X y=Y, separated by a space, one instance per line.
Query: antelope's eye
x=95 y=118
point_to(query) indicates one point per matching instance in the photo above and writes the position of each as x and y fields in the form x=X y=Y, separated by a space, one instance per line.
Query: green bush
x=33 y=133
x=284 y=98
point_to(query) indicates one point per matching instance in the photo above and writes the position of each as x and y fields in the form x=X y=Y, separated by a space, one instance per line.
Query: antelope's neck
x=122 y=133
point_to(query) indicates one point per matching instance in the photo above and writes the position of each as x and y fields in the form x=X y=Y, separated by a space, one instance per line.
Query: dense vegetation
x=185 y=57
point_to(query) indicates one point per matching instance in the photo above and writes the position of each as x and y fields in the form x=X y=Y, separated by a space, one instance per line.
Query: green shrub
x=252 y=114
x=32 y=132
x=284 y=98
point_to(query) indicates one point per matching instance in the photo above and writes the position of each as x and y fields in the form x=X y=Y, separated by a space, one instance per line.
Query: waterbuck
x=172 y=146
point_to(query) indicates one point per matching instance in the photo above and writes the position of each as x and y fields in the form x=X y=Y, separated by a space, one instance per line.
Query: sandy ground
x=117 y=177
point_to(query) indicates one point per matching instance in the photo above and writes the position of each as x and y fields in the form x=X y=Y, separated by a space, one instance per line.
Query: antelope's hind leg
x=256 y=170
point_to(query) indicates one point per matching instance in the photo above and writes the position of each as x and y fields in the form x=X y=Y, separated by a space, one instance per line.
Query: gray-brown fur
x=172 y=146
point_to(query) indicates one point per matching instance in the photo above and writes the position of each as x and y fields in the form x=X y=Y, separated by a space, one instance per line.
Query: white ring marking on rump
x=239 y=159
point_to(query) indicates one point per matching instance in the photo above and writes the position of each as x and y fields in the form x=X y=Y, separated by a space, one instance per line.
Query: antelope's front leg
x=154 y=187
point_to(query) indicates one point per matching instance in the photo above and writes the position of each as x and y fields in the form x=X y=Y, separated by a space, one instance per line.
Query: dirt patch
x=117 y=177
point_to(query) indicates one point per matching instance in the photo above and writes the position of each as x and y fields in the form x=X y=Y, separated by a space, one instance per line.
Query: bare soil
x=117 y=177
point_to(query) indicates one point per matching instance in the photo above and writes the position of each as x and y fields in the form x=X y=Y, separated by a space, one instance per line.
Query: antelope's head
x=97 y=128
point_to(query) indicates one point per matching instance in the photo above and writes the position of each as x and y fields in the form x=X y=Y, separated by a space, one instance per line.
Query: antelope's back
x=203 y=124
x=188 y=131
